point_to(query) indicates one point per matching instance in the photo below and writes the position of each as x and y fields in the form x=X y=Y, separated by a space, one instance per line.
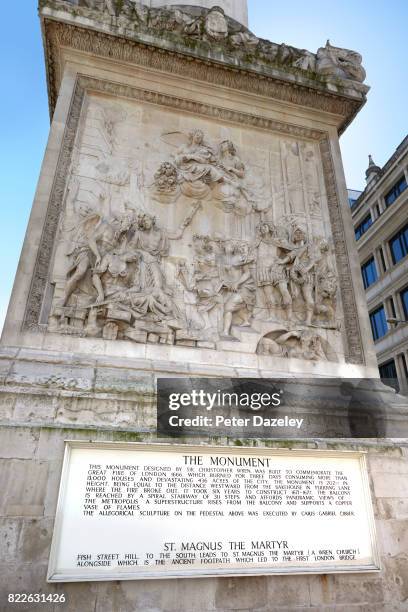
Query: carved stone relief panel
x=186 y=231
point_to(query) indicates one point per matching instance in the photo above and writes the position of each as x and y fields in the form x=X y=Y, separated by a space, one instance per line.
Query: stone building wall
x=390 y=273
x=44 y=404
x=31 y=457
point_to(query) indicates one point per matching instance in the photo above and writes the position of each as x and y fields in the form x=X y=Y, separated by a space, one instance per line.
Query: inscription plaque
x=138 y=511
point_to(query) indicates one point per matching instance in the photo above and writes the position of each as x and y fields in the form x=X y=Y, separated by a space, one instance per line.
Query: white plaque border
x=53 y=576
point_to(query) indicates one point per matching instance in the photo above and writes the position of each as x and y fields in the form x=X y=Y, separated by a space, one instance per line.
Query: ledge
x=89 y=31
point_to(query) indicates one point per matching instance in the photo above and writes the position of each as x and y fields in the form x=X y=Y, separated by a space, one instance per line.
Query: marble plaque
x=137 y=511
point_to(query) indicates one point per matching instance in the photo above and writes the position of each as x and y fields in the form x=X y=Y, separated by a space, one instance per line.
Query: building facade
x=380 y=219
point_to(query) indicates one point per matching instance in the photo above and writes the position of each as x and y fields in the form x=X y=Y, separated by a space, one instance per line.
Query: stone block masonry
x=29 y=483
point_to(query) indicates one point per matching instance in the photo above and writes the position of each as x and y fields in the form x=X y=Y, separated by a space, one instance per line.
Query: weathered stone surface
x=289 y=590
x=52 y=489
x=396 y=574
x=89 y=323
x=79 y=410
x=24 y=578
x=237 y=9
x=7 y=403
x=52 y=376
x=8 y=353
x=358 y=589
x=137 y=415
x=149 y=596
x=201 y=594
x=123 y=381
x=9 y=539
x=390 y=508
x=241 y=593
x=29 y=510
x=390 y=485
x=18 y=443
x=35 y=540
x=23 y=484
x=143 y=314
x=394 y=536
x=51 y=445
x=379 y=607
x=388 y=465
x=5 y=365
x=35 y=409
x=322 y=590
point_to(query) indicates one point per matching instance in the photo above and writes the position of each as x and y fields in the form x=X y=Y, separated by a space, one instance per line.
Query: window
x=404 y=365
x=384 y=267
x=363 y=226
x=378 y=322
x=404 y=300
x=353 y=196
x=399 y=245
x=396 y=191
x=392 y=308
x=369 y=273
x=388 y=374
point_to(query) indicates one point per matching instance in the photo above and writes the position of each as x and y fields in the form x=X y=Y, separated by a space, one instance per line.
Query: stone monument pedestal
x=191 y=220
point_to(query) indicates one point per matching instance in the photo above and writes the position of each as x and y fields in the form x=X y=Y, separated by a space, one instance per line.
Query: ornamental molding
x=62 y=35
x=39 y=281
x=354 y=351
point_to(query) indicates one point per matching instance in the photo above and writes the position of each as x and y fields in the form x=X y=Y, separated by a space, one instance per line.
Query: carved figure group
x=297 y=344
x=222 y=280
x=199 y=170
x=294 y=267
x=270 y=269
x=129 y=276
x=116 y=273
x=117 y=286
x=96 y=239
x=238 y=287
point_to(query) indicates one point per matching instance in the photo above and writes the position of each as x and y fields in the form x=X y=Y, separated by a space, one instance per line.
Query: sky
x=375 y=28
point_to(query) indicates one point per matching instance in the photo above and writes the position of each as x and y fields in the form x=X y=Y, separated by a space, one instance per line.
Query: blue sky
x=375 y=28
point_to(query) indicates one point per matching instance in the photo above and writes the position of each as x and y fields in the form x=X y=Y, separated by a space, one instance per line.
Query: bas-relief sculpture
x=197 y=170
x=213 y=28
x=182 y=238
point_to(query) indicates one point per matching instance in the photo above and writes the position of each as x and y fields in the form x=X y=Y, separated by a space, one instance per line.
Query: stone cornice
x=298 y=91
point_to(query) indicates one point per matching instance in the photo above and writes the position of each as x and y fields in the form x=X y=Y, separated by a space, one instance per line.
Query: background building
x=380 y=218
